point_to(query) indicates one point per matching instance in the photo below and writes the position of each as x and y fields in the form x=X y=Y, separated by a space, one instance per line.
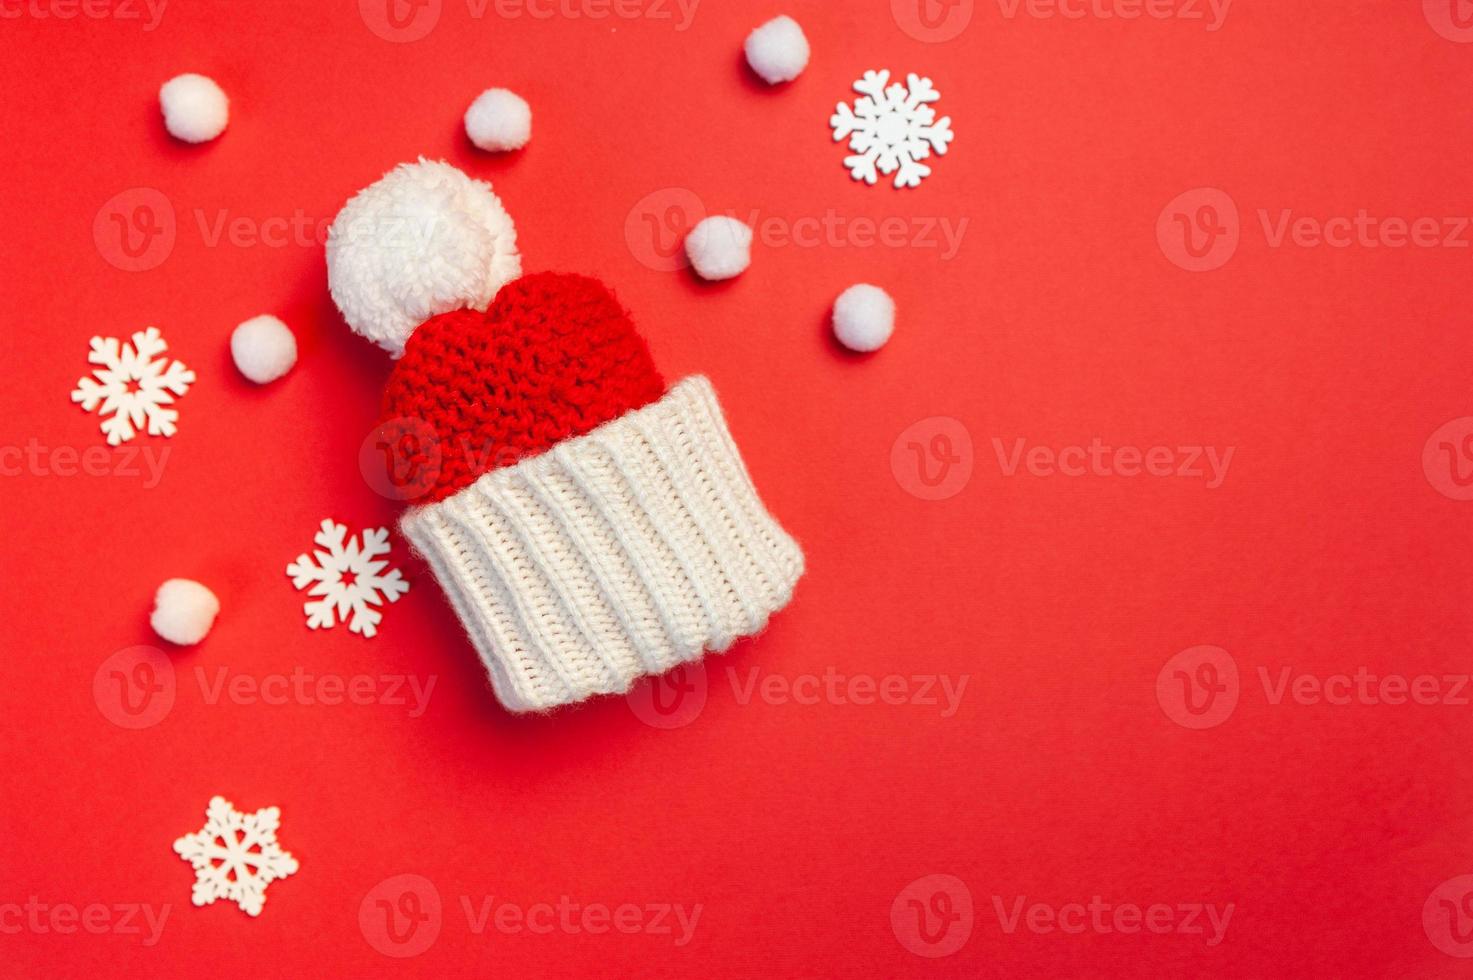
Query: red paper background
x=1059 y=319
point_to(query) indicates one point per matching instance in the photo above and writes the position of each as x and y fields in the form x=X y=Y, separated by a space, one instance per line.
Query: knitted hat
x=589 y=525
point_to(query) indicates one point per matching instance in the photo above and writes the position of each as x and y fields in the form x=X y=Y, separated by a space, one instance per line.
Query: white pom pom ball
x=864 y=317
x=778 y=50
x=183 y=611
x=195 y=108
x=499 y=120
x=423 y=240
x=264 y=348
x=719 y=248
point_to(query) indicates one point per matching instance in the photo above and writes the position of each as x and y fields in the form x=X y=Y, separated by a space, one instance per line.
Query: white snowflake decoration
x=235 y=855
x=133 y=385
x=891 y=129
x=348 y=578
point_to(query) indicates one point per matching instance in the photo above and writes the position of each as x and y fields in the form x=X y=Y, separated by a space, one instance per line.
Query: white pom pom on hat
x=499 y=120
x=183 y=611
x=864 y=318
x=778 y=50
x=423 y=240
x=719 y=247
x=195 y=108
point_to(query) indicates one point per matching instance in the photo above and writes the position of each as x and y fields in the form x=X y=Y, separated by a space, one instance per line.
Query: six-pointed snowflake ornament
x=133 y=386
x=891 y=128
x=347 y=578
x=235 y=855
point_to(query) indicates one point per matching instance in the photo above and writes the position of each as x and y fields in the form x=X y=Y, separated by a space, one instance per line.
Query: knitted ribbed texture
x=552 y=357
x=616 y=554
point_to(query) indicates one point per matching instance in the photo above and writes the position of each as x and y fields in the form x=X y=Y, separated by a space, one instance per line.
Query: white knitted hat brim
x=617 y=554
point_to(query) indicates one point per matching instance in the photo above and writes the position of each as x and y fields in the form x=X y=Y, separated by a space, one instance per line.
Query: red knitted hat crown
x=554 y=356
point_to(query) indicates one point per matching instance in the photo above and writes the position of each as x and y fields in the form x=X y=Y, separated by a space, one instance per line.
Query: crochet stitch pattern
x=554 y=356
